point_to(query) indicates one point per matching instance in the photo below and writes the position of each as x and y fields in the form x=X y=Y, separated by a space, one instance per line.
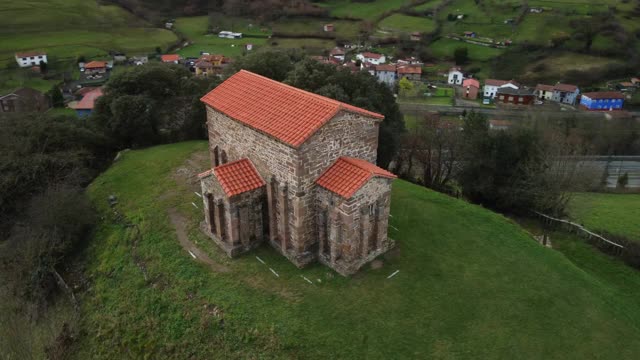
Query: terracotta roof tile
x=543 y=87
x=565 y=87
x=347 y=175
x=289 y=114
x=410 y=69
x=88 y=101
x=604 y=95
x=30 y=53
x=170 y=57
x=95 y=65
x=471 y=82
x=238 y=177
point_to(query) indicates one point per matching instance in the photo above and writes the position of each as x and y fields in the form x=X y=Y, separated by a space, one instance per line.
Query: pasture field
x=617 y=214
x=366 y=10
x=471 y=284
x=444 y=48
x=407 y=24
x=69 y=28
x=343 y=28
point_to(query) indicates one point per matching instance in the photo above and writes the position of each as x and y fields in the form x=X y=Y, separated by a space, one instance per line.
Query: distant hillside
x=471 y=284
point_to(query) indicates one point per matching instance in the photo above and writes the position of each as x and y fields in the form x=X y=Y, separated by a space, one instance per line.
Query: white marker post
x=262 y=261
x=274 y=272
x=195 y=192
x=192 y=255
x=394 y=274
x=194 y=205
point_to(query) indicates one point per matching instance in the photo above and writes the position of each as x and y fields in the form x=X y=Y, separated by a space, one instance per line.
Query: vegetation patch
x=617 y=214
x=407 y=24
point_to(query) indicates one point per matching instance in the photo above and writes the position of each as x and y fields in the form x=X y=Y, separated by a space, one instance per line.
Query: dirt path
x=179 y=223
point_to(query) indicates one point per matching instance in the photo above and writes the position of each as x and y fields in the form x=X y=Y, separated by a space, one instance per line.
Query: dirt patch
x=187 y=173
x=180 y=224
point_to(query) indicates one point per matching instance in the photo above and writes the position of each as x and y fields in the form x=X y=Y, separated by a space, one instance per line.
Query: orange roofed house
x=297 y=170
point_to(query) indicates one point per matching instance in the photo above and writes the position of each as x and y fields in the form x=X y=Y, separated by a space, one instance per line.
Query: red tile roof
x=370 y=55
x=471 y=82
x=543 y=87
x=95 y=64
x=30 y=53
x=347 y=175
x=289 y=114
x=565 y=87
x=238 y=177
x=170 y=58
x=88 y=101
x=389 y=67
x=604 y=95
x=85 y=90
x=410 y=69
x=495 y=82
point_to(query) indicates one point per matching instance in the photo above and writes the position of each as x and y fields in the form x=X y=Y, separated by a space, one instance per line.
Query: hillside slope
x=471 y=284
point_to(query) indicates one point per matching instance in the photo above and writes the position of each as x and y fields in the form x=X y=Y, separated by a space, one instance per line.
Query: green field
x=295 y=26
x=68 y=28
x=617 y=214
x=471 y=284
x=365 y=10
x=445 y=47
x=405 y=23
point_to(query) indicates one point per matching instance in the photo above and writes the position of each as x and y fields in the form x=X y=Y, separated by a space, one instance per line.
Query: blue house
x=602 y=100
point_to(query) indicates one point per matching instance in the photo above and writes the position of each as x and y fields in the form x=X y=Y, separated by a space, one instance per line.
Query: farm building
x=296 y=170
x=328 y=28
x=24 y=100
x=455 y=76
x=544 y=92
x=565 y=93
x=95 y=67
x=508 y=95
x=230 y=35
x=470 y=88
x=470 y=34
x=337 y=53
x=85 y=106
x=491 y=87
x=411 y=72
x=170 y=58
x=602 y=100
x=33 y=58
x=372 y=58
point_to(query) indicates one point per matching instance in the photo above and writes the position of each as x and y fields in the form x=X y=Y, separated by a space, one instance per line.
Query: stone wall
x=290 y=173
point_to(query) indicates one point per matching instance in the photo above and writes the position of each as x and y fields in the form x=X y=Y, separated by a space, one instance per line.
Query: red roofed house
x=373 y=58
x=85 y=106
x=411 y=72
x=32 y=58
x=95 y=67
x=295 y=169
x=565 y=93
x=470 y=88
x=170 y=58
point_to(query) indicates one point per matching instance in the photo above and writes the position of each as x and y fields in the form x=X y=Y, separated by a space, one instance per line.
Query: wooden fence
x=578 y=229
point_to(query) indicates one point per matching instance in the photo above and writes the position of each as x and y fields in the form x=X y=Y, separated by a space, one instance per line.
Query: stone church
x=295 y=169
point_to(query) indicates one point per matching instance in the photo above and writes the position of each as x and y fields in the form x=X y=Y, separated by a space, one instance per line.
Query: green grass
x=68 y=28
x=365 y=10
x=445 y=47
x=344 y=29
x=471 y=285
x=617 y=214
x=405 y=23
x=11 y=80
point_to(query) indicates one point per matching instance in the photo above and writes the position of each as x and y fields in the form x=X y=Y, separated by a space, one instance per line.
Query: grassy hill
x=471 y=284
x=68 y=28
x=614 y=213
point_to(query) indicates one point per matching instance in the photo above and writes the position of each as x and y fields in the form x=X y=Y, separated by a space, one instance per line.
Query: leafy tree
x=274 y=64
x=57 y=100
x=406 y=86
x=43 y=67
x=461 y=55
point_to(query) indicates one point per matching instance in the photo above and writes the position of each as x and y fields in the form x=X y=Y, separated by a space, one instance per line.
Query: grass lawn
x=68 y=28
x=471 y=284
x=558 y=65
x=407 y=24
x=11 y=80
x=618 y=214
x=445 y=47
x=365 y=10
x=294 y=26
x=312 y=46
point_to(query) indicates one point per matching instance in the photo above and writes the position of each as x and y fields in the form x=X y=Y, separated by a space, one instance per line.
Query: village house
x=119 y=57
x=387 y=74
x=337 y=53
x=602 y=100
x=411 y=72
x=470 y=89
x=626 y=86
x=24 y=100
x=470 y=34
x=328 y=28
x=28 y=59
x=213 y=59
x=544 y=92
x=508 y=95
x=455 y=76
x=248 y=47
x=230 y=35
x=410 y=61
x=85 y=106
x=372 y=58
x=635 y=81
x=565 y=93
x=139 y=60
x=415 y=36
x=170 y=58
x=296 y=170
x=204 y=68
x=95 y=67
x=491 y=87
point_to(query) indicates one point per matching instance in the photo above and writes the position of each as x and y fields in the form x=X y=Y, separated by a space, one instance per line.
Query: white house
x=544 y=92
x=230 y=35
x=455 y=76
x=491 y=87
x=28 y=59
x=373 y=58
x=386 y=74
x=337 y=53
x=565 y=93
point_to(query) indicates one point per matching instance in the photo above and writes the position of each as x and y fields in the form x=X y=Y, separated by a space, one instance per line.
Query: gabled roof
x=471 y=82
x=202 y=64
x=30 y=53
x=347 y=175
x=88 y=100
x=211 y=57
x=170 y=58
x=512 y=91
x=543 y=87
x=337 y=51
x=289 y=114
x=238 y=177
x=496 y=82
x=95 y=65
x=409 y=69
x=388 y=67
x=371 y=55
x=565 y=87
x=604 y=95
